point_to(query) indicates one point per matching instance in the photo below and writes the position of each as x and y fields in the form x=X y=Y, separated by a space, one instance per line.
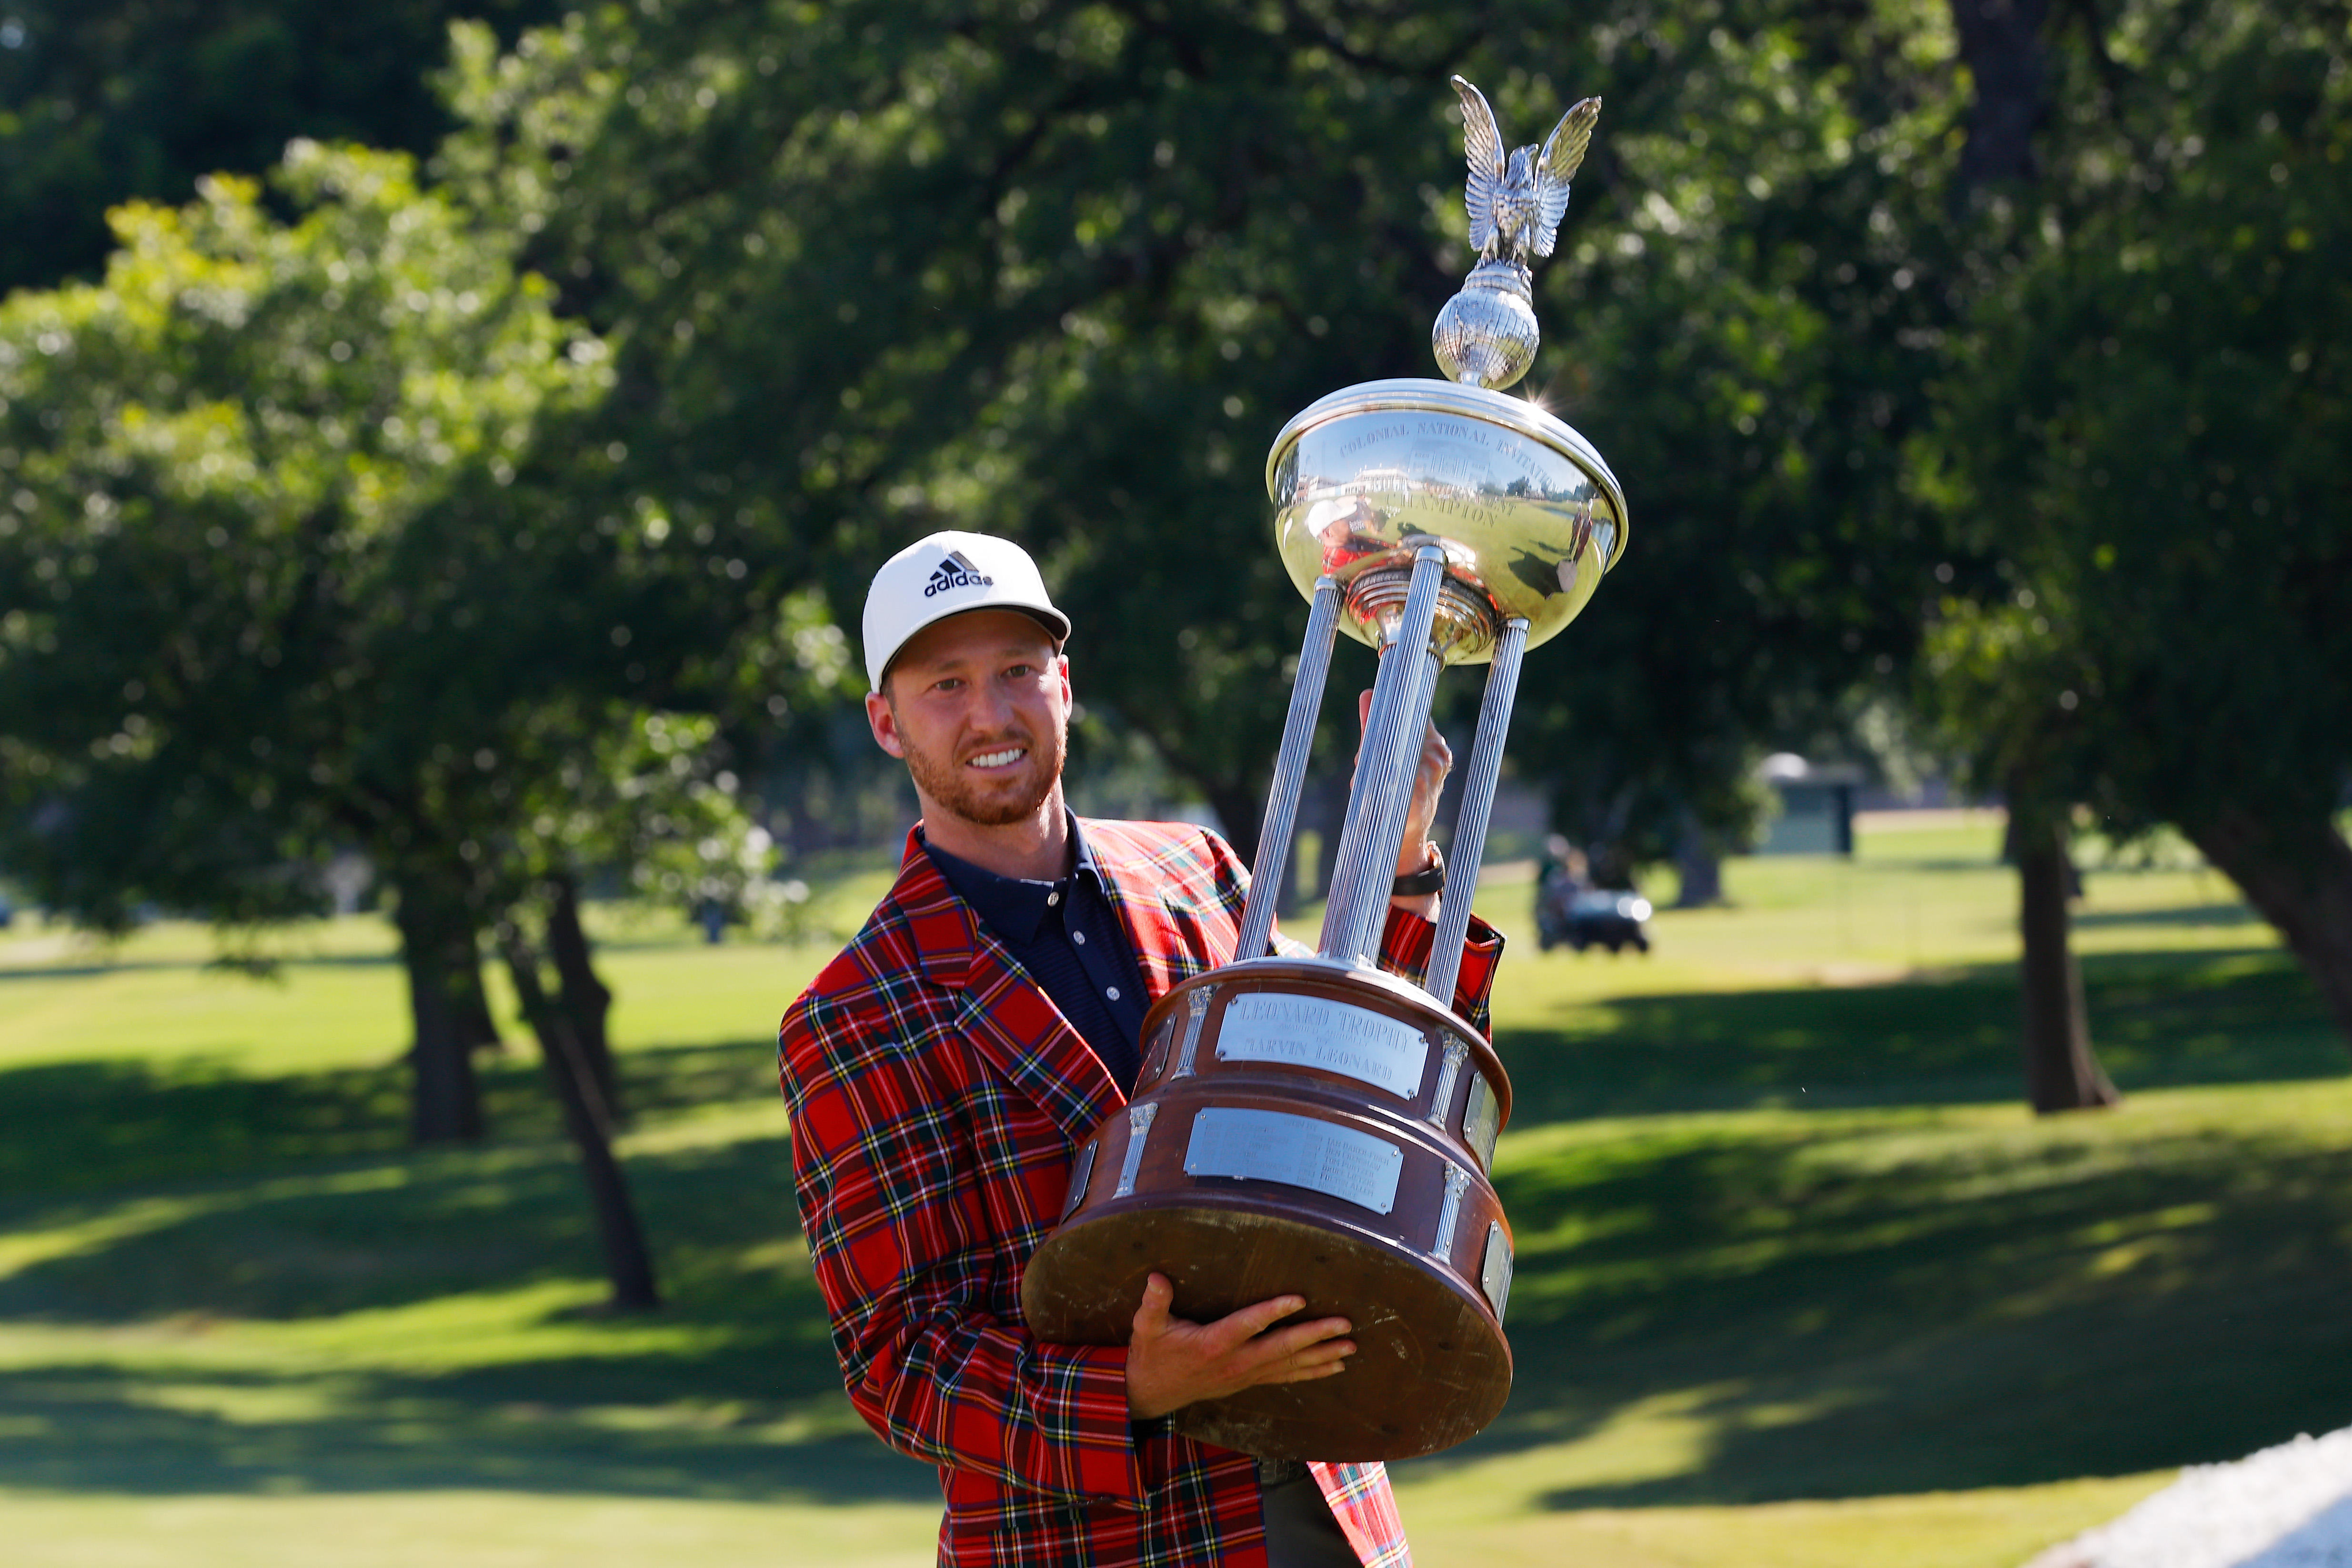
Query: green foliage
x=261 y=532
x=103 y=101
x=649 y=794
x=2146 y=434
x=1755 y=325
x=1062 y=271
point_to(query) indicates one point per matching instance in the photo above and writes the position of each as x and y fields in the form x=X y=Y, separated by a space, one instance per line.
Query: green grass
x=1799 y=1283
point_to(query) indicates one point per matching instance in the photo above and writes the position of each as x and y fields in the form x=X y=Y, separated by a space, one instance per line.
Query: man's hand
x=1428 y=784
x=1171 y=1364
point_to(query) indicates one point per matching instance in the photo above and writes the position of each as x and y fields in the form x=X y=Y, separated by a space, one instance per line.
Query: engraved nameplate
x=1481 y=1120
x=1078 y=1179
x=1297 y=1151
x=1313 y=1031
x=1495 y=1270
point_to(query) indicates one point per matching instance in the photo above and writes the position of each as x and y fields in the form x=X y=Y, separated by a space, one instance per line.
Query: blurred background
x=443 y=448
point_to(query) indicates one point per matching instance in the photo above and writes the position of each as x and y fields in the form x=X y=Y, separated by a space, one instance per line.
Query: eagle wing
x=1482 y=140
x=1563 y=154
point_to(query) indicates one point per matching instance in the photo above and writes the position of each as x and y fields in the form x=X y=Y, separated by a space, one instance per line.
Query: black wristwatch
x=1429 y=879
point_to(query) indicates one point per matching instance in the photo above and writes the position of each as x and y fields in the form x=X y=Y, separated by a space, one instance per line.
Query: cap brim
x=1056 y=624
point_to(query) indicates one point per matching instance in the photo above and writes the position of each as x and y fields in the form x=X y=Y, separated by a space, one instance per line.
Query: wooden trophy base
x=1303 y=1129
x=1430 y=1368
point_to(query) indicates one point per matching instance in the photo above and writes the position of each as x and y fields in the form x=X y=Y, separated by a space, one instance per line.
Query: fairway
x=1800 y=1281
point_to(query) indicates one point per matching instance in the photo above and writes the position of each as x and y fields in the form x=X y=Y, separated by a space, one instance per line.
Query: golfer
x=943 y=1071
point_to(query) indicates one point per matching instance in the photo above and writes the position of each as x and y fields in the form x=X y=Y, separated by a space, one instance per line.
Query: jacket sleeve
x=906 y=1241
x=1404 y=952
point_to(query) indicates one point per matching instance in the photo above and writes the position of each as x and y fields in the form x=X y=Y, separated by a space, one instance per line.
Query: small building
x=1816 y=806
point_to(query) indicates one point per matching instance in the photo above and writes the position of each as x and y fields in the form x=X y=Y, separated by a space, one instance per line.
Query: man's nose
x=992 y=706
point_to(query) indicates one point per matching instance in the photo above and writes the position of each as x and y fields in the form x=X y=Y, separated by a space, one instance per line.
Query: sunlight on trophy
x=1313 y=1124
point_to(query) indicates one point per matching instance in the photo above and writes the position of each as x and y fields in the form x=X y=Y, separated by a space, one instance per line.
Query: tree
x=1063 y=270
x=104 y=102
x=646 y=795
x=588 y=1112
x=262 y=562
x=1992 y=692
x=1998 y=693
x=2148 y=435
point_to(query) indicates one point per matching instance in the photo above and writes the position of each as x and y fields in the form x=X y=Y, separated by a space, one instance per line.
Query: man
x=943 y=1071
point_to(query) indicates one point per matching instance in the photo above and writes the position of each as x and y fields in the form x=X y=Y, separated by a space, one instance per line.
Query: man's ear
x=884 y=722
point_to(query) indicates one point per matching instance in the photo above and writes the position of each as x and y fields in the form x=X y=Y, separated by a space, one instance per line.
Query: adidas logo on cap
x=956 y=572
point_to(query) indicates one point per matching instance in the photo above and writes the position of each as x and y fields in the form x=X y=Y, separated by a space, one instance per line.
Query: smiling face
x=979 y=706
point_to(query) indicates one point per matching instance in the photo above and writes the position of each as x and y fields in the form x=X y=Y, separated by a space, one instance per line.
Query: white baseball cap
x=947 y=575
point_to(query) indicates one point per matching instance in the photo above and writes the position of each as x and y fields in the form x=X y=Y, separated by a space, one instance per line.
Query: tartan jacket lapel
x=1180 y=920
x=1014 y=1025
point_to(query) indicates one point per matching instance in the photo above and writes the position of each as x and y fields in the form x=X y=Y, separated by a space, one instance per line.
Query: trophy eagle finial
x=1516 y=201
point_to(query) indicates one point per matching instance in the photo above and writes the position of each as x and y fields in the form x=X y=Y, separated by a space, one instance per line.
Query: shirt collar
x=1015 y=906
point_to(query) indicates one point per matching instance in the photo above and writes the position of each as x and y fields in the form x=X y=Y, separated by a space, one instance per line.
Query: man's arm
x=895 y=1212
x=1406 y=939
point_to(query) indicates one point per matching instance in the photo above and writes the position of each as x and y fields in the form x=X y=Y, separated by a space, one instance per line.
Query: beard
x=992 y=803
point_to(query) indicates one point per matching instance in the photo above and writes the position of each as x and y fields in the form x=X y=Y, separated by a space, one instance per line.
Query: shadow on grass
x=2158 y=1020
x=99 y=1125
x=1878 y=1300
x=1884 y=1304
x=99 y=1428
x=730 y=1391
x=99 y=967
x=2218 y=914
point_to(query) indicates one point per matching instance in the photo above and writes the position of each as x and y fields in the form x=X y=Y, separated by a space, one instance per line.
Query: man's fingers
x=1271 y=1356
x=1240 y=1327
x=1151 y=1312
x=1302 y=1340
x=1312 y=1360
x=1318 y=1353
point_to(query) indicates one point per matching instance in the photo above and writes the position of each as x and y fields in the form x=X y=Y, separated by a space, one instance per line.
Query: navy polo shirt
x=1069 y=939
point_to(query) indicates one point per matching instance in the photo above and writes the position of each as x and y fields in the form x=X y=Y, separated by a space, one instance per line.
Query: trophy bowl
x=1528 y=513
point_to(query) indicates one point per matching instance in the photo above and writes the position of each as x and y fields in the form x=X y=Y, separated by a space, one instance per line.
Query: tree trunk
x=437 y=943
x=2061 y=1073
x=2298 y=876
x=1699 y=867
x=472 y=1001
x=2000 y=42
x=1241 y=811
x=585 y=998
x=628 y=1263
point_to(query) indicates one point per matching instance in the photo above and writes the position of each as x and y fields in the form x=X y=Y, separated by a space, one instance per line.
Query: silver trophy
x=1315 y=1125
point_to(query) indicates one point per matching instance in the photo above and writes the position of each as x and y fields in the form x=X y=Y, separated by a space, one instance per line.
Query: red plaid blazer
x=937 y=1096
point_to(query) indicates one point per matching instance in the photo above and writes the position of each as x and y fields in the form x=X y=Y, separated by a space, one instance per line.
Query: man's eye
x=1022 y=672
x=950 y=684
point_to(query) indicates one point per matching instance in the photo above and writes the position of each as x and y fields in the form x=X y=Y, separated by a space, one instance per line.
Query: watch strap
x=1429 y=879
